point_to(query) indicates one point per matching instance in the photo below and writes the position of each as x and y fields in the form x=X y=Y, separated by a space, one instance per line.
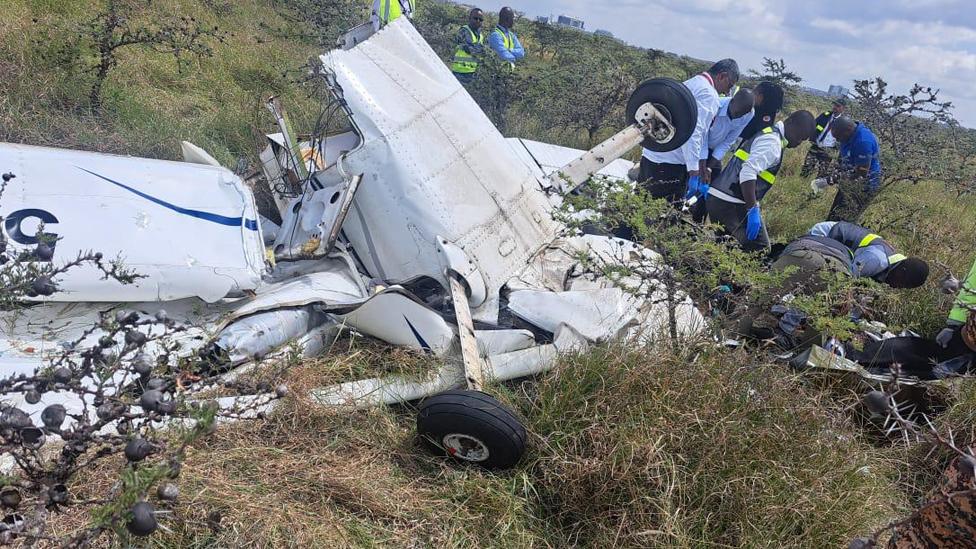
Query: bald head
x=741 y=103
x=843 y=128
x=506 y=17
x=799 y=127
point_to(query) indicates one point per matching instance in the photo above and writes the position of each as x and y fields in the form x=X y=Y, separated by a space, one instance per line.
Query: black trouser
x=817 y=160
x=853 y=197
x=700 y=210
x=916 y=355
x=732 y=218
x=667 y=181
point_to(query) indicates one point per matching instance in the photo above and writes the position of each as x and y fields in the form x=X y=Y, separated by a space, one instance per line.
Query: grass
x=629 y=447
x=659 y=447
x=149 y=105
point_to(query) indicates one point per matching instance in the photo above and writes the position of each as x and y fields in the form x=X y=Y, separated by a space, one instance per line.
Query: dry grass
x=640 y=447
x=629 y=448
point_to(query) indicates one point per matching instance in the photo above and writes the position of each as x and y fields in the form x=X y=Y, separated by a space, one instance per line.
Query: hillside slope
x=684 y=447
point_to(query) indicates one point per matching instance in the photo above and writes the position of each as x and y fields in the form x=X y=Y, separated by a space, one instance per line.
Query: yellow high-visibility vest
x=765 y=175
x=464 y=62
x=506 y=39
x=822 y=128
x=390 y=10
x=867 y=240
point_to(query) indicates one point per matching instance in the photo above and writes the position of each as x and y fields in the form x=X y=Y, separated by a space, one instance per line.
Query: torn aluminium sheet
x=433 y=166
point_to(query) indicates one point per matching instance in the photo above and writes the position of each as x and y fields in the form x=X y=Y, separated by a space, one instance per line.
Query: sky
x=932 y=42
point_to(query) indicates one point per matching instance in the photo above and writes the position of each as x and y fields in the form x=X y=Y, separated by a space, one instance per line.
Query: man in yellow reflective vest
x=962 y=318
x=470 y=46
x=503 y=39
x=733 y=198
x=388 y=11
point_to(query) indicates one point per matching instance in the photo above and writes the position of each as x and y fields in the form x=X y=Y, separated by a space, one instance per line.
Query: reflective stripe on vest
x=389 y=10
x=897 y=258
x=464 y=62
x=868 y=240
x=507 y=40
x=822 y=128
x=766 y=176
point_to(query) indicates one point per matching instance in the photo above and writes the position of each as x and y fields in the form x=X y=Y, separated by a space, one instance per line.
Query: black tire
x=495 y=435
x=677 y=104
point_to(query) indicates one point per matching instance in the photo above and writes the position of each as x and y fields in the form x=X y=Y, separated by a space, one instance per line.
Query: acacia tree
x=95 y=45
x=915 y=131
x=585 y=93
x=775 y=71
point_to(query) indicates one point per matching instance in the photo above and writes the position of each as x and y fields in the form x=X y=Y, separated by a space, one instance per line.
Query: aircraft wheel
x=473 y=427
x=673 y=100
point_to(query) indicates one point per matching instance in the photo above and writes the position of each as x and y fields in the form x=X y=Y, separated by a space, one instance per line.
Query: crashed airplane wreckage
x=422 y=226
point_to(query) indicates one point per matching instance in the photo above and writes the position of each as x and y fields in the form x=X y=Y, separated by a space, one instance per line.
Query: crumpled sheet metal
x=823 y=360
x=433 y=164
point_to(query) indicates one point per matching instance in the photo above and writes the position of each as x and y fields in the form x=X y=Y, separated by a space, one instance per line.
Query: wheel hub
x=658 y=119
x=465 y=447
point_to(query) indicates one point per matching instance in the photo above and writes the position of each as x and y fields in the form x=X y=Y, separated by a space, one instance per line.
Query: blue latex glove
x=753 y=223
x=703 y=190
x=694 y=182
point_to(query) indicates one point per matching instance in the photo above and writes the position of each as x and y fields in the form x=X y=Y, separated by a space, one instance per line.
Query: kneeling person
x=733 y=197
x=849 y=249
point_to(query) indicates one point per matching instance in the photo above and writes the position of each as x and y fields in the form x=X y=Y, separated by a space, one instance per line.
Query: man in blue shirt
x=734 y=113
x=860 y=170
x=503 y=39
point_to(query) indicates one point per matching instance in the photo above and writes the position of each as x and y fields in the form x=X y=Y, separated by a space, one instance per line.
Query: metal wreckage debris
x=421 y=226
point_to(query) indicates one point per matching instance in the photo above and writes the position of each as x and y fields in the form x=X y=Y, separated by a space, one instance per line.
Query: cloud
x=932 y=42
x=899 y=30
x=839 y=25
x=936 y=63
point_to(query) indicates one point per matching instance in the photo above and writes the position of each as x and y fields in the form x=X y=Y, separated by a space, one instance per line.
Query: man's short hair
x=474 y=11
x=728 y=66
x=772 y=95
x=804 y=122
x=908 y=273
x=844 y=123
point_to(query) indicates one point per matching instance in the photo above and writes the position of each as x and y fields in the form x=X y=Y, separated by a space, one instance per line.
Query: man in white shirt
x=664 y=175
x=734 y=113
x=734 y=196
x=819 y=156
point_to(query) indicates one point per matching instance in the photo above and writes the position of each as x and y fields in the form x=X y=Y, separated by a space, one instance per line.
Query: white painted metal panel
x=433 y=164
x=553 y=157
x=191 y=229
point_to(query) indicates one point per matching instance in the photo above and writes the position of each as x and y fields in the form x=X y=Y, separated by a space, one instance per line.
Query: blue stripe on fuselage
x=250 y=224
